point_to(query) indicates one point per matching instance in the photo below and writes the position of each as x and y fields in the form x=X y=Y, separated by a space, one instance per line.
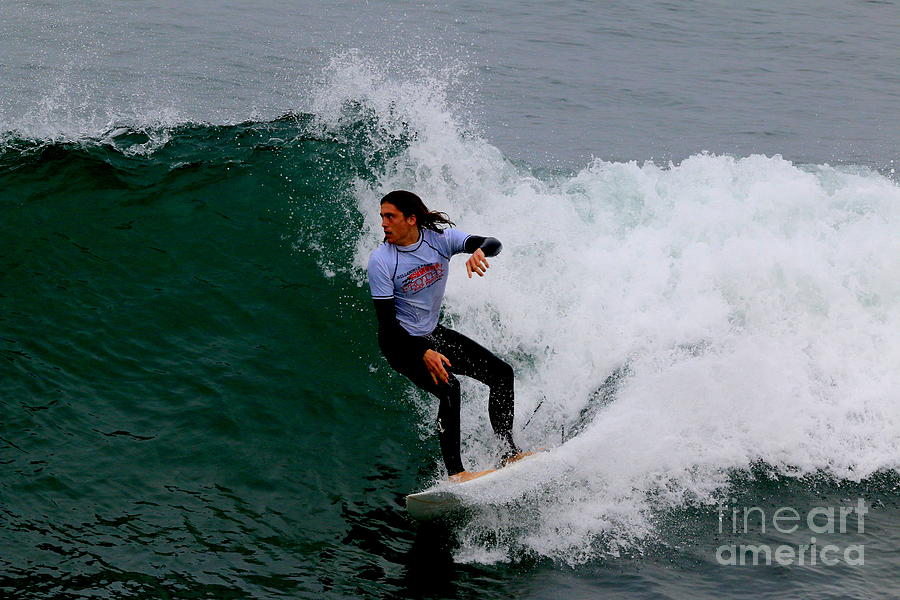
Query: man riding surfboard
x=407 y=278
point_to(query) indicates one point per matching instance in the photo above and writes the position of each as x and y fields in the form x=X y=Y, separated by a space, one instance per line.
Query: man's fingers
x=445 y=377
x=436 y=368
x=477 y=263
x=477 y=267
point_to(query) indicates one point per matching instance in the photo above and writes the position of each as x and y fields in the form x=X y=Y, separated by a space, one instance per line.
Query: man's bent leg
x=471 y=359
x=448 y=425
x=448 y=410
x=501 y=403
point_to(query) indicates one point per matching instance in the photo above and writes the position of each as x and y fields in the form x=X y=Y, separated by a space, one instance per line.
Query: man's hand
x=435 y=362
x=477 y=263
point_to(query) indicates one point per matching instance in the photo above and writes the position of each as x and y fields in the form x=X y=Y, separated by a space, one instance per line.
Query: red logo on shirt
x=422 y=277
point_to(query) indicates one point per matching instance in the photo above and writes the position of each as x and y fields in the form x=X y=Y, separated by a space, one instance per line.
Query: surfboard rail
x=447 y=497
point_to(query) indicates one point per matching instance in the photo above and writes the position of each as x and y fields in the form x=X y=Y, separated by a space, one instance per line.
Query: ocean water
x=699 y=293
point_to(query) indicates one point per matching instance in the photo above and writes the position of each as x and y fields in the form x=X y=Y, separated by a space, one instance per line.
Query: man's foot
x=510 y=459
x=467 y=475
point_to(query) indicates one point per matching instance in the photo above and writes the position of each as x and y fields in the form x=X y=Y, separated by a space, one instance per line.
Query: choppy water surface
x=193 y=403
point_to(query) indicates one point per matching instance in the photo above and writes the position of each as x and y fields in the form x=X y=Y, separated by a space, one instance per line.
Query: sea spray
x=752 y=301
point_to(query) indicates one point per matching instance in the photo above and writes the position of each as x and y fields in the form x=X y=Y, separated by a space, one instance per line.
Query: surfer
x=407 y=277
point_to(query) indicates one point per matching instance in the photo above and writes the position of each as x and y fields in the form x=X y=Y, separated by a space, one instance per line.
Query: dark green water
x=181 y=389
x=193 y=403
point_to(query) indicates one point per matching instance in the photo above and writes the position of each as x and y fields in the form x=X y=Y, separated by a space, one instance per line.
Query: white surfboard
x=489 y=488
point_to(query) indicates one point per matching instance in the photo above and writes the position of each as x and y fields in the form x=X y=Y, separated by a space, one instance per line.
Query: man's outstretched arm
x=490 y=246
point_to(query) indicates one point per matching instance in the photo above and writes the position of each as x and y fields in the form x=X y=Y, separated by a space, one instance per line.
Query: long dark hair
x=410 y=204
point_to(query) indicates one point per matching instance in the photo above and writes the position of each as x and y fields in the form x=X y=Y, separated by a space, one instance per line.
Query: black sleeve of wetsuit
x=392 y=338
x=490 y=246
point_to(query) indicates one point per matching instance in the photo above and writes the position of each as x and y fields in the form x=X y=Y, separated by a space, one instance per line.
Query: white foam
x=73 y=108
x=755 y=302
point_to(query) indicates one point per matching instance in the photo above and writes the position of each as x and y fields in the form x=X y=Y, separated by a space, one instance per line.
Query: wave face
x=190 y=367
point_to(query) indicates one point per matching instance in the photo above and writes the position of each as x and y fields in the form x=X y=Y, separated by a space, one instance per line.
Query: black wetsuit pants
x=472 y=360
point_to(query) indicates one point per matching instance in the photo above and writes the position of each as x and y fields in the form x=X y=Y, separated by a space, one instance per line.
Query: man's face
x=398 y=229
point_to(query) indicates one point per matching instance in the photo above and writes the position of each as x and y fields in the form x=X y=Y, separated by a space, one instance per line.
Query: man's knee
x=501 y=373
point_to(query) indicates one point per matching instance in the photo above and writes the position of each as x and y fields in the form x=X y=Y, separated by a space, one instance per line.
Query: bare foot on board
x=519 y=456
